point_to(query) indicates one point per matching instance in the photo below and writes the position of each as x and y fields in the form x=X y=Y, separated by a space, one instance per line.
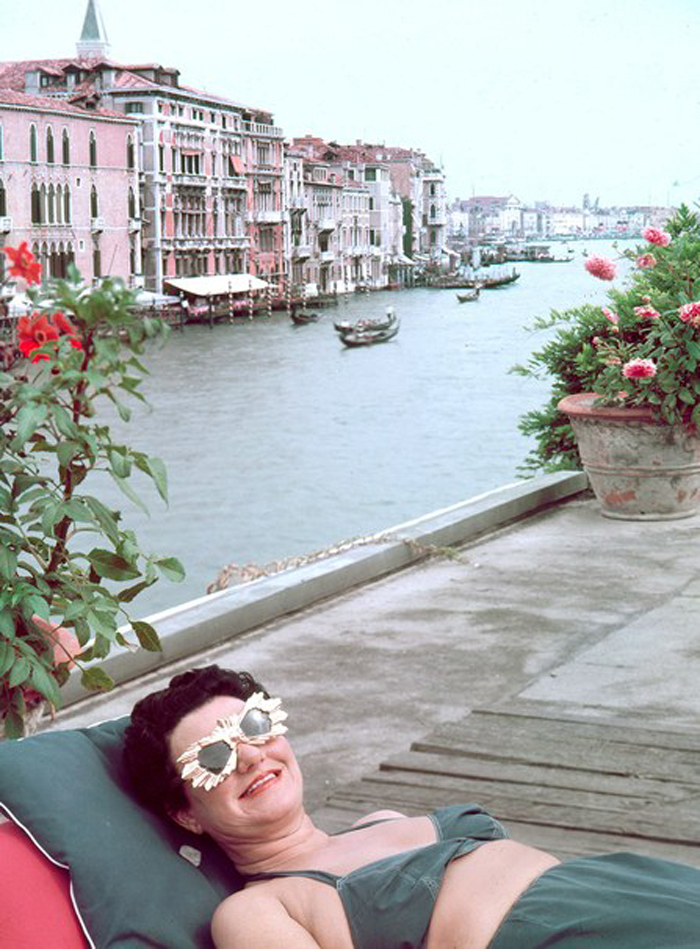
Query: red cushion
x=35 y=905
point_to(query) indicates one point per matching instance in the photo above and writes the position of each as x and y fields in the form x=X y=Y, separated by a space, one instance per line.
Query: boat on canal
x=468 y=297
x=303 y=317
x=493 y=283
x=368 y=337
x=343 y=327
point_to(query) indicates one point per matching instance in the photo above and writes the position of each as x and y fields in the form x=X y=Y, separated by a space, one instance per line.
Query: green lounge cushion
x=131 y=884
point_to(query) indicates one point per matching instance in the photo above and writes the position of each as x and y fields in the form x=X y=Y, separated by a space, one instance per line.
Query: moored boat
x=362 y=326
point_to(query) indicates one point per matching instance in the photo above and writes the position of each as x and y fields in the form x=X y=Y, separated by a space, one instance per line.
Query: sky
x=544 y=99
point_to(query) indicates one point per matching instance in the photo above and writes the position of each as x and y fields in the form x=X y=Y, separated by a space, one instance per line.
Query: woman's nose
x=248 y=757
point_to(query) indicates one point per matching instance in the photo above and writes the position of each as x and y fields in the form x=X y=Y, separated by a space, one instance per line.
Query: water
x=280 y=441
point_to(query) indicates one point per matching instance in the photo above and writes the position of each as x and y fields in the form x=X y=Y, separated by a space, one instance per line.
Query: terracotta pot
x=639 y=468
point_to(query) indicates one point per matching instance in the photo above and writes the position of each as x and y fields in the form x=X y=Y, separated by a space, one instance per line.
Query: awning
x=237 y=163
x=217 y=286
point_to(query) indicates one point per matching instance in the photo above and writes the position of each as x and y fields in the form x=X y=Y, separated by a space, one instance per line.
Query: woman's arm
x=248 y=920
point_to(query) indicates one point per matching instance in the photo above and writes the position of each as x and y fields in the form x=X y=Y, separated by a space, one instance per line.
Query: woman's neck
x=281 y=846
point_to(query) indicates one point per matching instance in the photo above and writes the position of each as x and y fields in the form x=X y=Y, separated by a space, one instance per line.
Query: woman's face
x=262 y=793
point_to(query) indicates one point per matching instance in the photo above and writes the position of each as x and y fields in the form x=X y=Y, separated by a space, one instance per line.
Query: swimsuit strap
x=321 y=875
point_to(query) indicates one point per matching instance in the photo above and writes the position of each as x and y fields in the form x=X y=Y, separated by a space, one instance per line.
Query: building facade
x=69 y=186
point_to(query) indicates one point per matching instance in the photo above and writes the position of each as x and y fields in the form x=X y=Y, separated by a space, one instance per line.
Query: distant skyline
x=544 y=99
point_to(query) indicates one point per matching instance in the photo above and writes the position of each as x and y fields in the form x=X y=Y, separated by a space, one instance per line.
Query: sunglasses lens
x=214 y=757
x=256 y=723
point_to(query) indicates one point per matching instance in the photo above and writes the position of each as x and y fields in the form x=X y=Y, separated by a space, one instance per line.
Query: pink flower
x=646 y=261
x=609 y=315
x=647 y=313
x=601 y=267
x=639 y=369
x=690 y=313
x=656 y=236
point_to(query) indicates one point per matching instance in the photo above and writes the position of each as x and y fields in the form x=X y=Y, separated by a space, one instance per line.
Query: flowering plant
x=62 y=599
x=643 y=348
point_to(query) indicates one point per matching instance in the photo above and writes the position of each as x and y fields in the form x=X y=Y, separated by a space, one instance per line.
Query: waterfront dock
x=548 y=667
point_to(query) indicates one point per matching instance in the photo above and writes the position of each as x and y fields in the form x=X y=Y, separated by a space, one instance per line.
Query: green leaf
x=687 y=396
x=112 y=566
x=8 y=563
x=7 y=624
x=104 y=518
x=126 y=596
x=14 y=724
x=45 y=684
x=126 y=489
x=28 y=419
x=19 y=672
x=171 y=568
x=693 y=348
x=120 y=463
x=97 y=680
x=155 y=469
x=147 y=636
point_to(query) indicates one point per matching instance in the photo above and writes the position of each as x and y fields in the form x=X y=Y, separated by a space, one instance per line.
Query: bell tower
x=93 y=42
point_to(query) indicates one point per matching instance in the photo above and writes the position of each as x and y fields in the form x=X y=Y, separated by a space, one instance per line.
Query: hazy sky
x=546 y=99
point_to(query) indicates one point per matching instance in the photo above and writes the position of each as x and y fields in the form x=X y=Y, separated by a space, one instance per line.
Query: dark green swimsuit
x=620 y=901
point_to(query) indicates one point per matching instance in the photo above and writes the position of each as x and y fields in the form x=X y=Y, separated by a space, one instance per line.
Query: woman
x=210 y=752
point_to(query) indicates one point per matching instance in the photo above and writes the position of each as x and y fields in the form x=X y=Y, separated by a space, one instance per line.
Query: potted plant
x=68 y=567
x=626 y=394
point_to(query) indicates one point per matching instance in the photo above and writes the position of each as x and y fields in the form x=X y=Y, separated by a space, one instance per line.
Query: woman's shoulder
x=378 y=816
x=254 y=918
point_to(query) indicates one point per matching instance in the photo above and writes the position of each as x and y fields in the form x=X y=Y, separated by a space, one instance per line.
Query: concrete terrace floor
x=564 y=606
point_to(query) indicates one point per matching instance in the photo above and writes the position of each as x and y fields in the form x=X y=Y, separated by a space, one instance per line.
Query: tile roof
x=55 y=104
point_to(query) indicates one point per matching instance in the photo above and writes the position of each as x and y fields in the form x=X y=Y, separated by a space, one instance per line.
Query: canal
x=279 y=441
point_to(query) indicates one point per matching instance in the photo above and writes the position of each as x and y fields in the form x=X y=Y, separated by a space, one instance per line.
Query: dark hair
x=153 y=776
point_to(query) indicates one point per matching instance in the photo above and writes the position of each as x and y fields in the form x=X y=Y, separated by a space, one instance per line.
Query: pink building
x=69 y=185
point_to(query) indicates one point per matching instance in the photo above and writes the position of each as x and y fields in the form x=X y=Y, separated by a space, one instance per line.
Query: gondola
x=301 y=319
x=492 y=283
x=362 y=326
x=467 y=297
x=370 y=337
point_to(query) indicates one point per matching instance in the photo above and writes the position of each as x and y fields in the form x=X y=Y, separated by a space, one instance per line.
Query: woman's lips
x=261 y=783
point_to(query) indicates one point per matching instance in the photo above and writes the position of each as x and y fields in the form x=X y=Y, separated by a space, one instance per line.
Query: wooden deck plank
x=571 y=785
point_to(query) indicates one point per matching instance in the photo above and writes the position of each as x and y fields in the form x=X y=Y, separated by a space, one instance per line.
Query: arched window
x=43 y=204
x=51 y=204
x=94 y=204
x=93 y=150
x=36 y=205
x=32 y=143
x=3 y=199
x=50 y=156
x=59 y=204
x=432 y=211
x=66 y=205
x=132 y=203
x=66 y=147
x=96 y=261
x=130 y=163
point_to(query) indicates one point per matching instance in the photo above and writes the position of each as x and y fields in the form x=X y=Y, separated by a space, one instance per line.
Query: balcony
x=258 y=128
x=234 y=181
x=327 y=256
x=134 y=225
x=197 y=181
x=326 y=224
x=301 y=251
x=267 y=217
x=358 y=250
x=97 y=225
x=5 y=225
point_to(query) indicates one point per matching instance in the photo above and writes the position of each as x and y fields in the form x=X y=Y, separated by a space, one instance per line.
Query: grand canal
x=280 y=441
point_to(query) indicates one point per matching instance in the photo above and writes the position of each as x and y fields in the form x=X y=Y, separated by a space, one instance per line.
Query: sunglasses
x=210 y=760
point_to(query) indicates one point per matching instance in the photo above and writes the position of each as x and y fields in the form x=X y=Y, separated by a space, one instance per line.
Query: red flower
x=601 y=267
x=23 y=263
x=33 y=331
x=656 y=236
x=36 y=330
x=639 y=369
x=66 y=328
x=690 y=313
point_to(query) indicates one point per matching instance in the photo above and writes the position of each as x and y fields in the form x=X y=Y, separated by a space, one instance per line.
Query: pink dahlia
x=647 y=312
x=656 y=236
x=639 y=369
x=601 y=267
x=610 y=315
x=646 y=261
x=690 y=313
